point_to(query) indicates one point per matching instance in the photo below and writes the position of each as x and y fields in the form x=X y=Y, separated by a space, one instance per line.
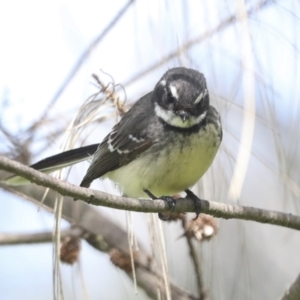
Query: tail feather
x=57 y=162
x=85 y=183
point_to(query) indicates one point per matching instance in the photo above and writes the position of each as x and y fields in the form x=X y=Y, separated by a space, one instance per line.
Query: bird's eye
x=169 y=99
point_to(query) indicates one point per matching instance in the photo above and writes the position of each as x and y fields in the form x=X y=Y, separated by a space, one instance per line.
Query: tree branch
x=37 y=238
x=98 y=198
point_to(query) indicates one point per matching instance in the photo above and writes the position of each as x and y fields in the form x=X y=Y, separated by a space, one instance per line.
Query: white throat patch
x=172 y=119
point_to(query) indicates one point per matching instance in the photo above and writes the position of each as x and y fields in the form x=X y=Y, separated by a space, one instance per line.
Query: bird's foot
x=171 y=202
x=196 y=200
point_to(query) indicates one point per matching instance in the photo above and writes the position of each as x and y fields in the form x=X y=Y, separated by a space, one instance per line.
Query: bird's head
x=181 y=98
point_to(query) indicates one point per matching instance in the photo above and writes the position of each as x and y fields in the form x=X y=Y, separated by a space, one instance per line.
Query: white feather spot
x=134 y=139
x=110 y=146
x=122 y=152
x=163 y=82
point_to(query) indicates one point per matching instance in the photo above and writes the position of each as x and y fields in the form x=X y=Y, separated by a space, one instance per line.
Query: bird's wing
x=125 y=142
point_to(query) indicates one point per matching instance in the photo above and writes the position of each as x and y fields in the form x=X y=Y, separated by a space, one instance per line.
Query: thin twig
x=98 y=198
x=37 y=238
x=199 y=277
x=111 y=94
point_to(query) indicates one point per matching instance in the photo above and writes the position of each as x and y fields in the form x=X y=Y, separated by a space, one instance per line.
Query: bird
x=162 y=145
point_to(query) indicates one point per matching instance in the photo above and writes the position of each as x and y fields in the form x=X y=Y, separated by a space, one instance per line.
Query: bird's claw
x=171 y=202
x=196 y=200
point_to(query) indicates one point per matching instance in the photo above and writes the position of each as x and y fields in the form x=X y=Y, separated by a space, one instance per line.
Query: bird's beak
x=183 y=115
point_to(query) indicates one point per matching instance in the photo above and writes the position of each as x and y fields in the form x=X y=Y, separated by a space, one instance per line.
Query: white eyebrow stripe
x=173 y=91
x=201 y=96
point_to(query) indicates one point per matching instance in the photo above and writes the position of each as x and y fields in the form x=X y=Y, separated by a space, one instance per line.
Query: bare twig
x=111 y=94
x=216 y=209
x=199 y=278
x=36 y=238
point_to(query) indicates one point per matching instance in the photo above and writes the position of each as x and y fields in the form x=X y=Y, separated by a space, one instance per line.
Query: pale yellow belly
x=169 y=172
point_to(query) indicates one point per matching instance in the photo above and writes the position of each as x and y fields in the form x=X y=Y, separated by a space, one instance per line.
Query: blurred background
x=249 y=53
